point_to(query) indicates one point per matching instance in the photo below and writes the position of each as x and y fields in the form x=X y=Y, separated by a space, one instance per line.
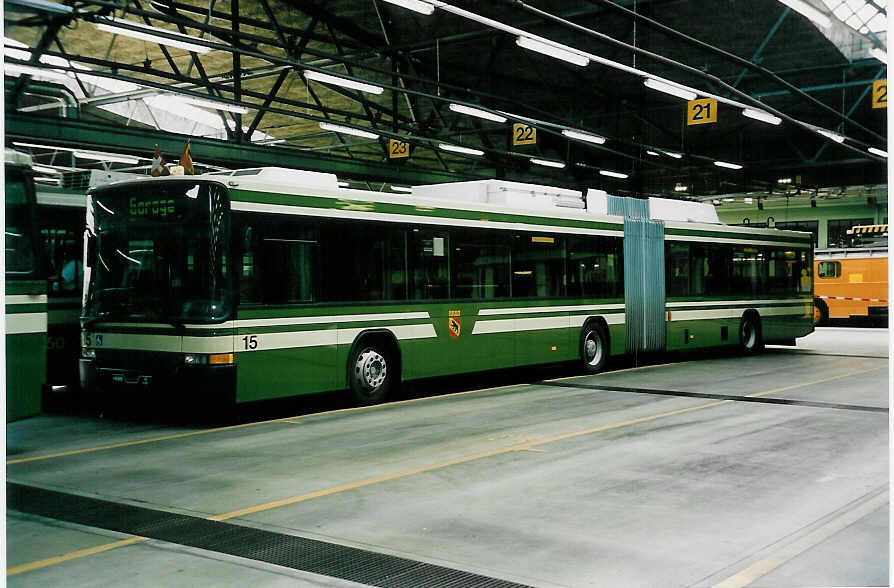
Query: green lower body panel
x=25 y=371
x=278 y=373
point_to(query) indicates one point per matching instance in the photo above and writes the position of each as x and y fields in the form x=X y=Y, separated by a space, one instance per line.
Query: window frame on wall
x=841 y=227
x=806 y=226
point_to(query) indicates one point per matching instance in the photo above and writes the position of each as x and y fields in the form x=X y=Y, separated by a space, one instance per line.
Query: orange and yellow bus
x=852 y=283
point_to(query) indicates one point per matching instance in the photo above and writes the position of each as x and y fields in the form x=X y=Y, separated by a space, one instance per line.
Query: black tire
x=371 y=373
x=594 y=348
x=751 y=339
x=820 y=312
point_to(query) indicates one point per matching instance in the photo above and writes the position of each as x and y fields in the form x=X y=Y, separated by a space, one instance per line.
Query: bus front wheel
x=372 y=373
x=593 y=347
x=750 y=338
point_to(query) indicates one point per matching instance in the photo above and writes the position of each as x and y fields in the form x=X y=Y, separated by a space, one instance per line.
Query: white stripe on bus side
x=421 y=220
x=682 y=315
x=25 y=299
x=26 y=322
x=264 y=341
x=737 y=302
x=539 y=309
x=539 y=323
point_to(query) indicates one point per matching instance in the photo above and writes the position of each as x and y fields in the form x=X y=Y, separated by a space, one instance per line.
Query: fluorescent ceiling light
x=879 y=54
x=672 y=89
x=212 y=104
x=729 y=199
x=553 y=50
x=477 y=112
x=405 y=189
x=110 y=157
x=344 y=184
x=347 y=130
x=654 y=153
x=44 y=169
x=36 y=146
x=809 y=11
x=727 y=165
x=613 y=174
x=762 y=116
x=878 y=152
x=548 y=163
x=674 y=155
x=344 y=83
x=584 y=136
x=835 y=137
x=147 y=33
x=458 y=149
x=415 y=5
x=38 y=72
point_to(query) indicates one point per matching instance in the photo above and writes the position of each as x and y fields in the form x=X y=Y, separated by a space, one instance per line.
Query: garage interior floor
x=769 y=470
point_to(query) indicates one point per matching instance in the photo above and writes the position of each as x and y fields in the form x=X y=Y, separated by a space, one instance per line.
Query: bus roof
x=511 y=202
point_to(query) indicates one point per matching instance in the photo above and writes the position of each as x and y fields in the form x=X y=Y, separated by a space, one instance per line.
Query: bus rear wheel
x=750 y=338
x=372 y=373
x=593 y=347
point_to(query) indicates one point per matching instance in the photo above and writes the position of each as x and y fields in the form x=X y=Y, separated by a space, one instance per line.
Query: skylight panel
x=841 y=12
x=866 y=12
x=877 y=23
x=856 y=5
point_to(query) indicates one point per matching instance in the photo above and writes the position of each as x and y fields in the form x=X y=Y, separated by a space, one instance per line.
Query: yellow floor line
x=791 y=550
x=51 y=561
x=523 y=446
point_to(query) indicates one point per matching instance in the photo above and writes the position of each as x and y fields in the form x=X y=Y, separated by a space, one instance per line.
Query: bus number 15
x=250 y=341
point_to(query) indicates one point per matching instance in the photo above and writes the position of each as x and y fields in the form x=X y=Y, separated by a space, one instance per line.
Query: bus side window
x=249 y=279
x=538 y=266
x=365 y=261
x=717 y=269
x=829 y=269
x=428 y=257
x=479 y=262
x=594 y=267
x=677 y=272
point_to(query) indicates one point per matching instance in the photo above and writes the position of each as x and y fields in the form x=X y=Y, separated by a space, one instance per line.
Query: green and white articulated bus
x=264 y=283
x=25 y=297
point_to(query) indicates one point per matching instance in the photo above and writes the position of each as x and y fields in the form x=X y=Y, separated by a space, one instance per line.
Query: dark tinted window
x=538 y=265
x=480 y=264
x=595 y=267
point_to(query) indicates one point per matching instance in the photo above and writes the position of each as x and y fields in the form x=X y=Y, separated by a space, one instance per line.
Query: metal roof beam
x=92 y=135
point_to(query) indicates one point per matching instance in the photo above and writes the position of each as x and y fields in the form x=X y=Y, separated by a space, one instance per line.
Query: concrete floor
x=546 y=483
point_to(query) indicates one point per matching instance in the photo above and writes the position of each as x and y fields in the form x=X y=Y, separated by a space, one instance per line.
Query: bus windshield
x=159 y=252
x=21 y=260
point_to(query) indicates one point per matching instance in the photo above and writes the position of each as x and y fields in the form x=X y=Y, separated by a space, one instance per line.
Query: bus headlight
x=88 y=353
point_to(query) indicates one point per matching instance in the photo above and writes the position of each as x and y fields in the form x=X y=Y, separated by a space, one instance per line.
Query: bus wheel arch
x=820 y=312
x=595 y=344
x=373 y=366
x=751 y=339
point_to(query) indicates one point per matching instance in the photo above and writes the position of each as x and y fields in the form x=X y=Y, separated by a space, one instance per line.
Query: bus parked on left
x=25 y=294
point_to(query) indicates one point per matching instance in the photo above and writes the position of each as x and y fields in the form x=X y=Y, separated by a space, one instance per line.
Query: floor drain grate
x=298 y=553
